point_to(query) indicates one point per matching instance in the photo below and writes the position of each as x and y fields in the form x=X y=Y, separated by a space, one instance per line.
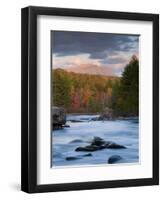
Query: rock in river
x=114 y=159
x=58 y=117
x=76 y=141
x=88 y=148
x=69 y=158
x=98 y=144
x=107 y=114
x=72 y=158
x=97 y=141
x=66 y=126
x=106 y=144
x=112 y=145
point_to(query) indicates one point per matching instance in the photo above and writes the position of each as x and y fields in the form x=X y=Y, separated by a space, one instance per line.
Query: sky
x=93 y=53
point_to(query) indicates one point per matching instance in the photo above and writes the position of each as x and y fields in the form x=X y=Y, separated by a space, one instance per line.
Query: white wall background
x=10 y=80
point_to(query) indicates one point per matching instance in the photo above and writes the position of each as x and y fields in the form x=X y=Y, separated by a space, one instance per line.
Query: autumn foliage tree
x=80 y=93
x=84 y=93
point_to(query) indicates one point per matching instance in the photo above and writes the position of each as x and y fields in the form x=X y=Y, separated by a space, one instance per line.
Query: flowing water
x=123 y=132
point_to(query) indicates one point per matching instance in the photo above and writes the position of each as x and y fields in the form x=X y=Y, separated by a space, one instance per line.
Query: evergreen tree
x=126 y=92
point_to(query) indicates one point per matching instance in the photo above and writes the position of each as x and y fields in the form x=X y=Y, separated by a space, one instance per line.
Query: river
x=123 y=132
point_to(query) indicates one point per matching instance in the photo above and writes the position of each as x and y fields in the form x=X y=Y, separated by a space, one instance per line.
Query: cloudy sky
x=93 y=53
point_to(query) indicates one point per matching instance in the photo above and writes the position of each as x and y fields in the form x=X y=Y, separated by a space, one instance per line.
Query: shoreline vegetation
x=83 y=94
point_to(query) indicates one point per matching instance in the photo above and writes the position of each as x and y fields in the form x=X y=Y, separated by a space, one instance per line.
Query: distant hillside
x=79 y=92
x=85 y=74
x=90 y=69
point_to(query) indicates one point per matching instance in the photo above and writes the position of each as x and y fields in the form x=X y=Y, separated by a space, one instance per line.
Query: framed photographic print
x=90 y=99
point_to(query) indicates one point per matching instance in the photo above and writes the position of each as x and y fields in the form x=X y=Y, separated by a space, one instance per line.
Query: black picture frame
x=29 y=99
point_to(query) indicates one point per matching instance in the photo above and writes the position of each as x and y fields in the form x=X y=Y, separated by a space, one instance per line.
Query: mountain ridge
x=88 y=74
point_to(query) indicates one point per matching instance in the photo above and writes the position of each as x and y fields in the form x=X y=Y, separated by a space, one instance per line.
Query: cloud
x=118 y=57
x=71 y=61
x=96 y=44
x=82 y=63
x=105 y=51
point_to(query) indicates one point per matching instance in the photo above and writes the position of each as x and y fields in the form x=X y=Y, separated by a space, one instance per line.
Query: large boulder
x=89 y=148
x=97 y=141
x=114 y=159
x=107 y=114
x=58 y=117
x=106 y=144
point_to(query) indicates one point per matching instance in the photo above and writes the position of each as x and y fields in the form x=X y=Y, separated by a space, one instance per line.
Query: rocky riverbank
x=59 y=117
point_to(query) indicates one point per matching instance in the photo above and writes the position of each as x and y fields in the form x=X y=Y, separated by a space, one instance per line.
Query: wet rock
x=76 y=141
x=112 y=145
x=106 y=144
x=107 y=114
x=69 y=158
x=57 y=127
x=73 y=120
x=88 y=148
x=97 y=141
x=58 y=117
x=114 y=159
x=95 y=119
x=66 y=126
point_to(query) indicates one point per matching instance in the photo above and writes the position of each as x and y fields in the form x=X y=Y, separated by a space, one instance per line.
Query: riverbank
x=95 y=117
x=60 y=117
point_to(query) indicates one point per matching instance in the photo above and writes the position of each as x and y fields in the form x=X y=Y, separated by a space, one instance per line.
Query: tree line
x=85 y=93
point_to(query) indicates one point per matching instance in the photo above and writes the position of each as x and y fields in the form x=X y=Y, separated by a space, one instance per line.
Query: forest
x=85 y=93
